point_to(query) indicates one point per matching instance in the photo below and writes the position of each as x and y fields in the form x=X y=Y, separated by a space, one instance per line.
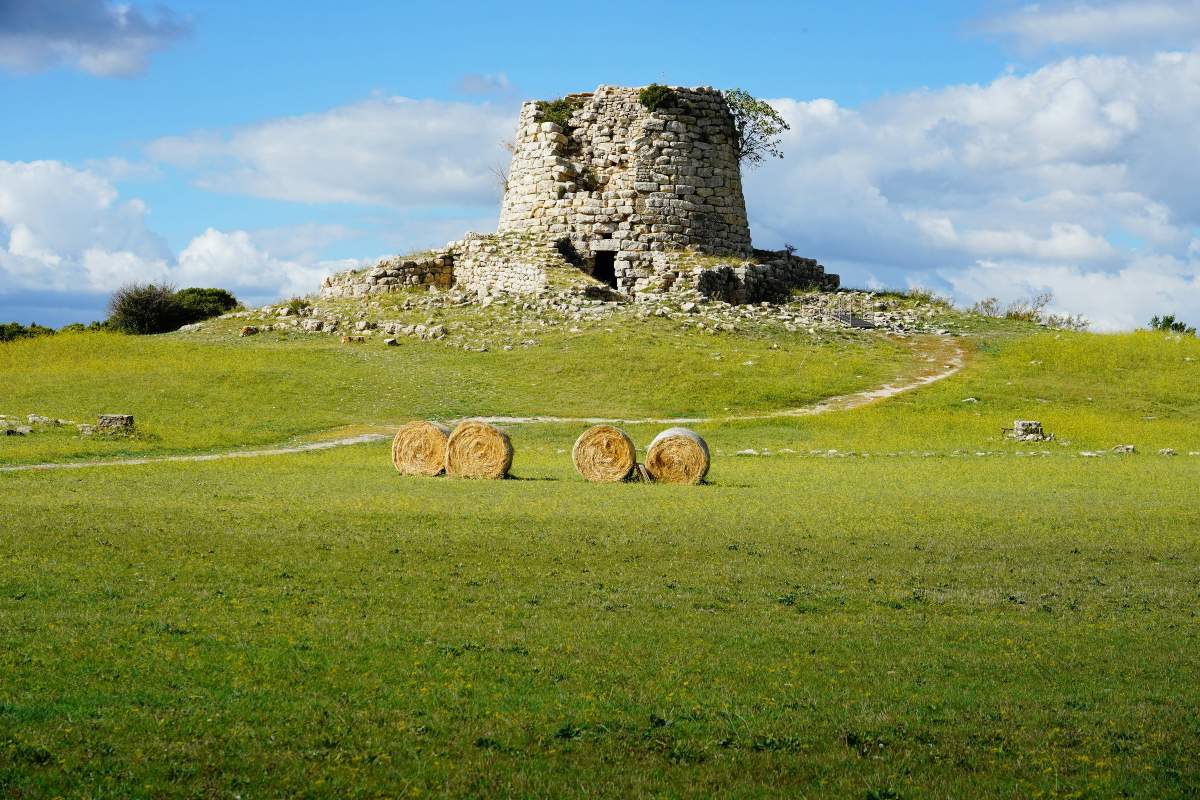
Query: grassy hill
x=929 y=611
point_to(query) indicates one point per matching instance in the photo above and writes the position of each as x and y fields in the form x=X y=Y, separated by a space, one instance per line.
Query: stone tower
x=622 y=182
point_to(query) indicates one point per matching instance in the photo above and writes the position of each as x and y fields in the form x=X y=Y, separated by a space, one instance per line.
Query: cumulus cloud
x=1076 y=177
x=65 y=232
x=384 y=151
x=1116 y=25
x=103 y=38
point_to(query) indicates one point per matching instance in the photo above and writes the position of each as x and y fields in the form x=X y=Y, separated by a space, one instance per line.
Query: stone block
x=114 y=423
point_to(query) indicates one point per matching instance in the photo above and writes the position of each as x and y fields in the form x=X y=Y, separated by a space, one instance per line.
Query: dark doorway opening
x=604 y=267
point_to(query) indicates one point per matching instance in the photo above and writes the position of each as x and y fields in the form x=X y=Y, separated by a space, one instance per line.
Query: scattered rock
x=38 y=419
x=248 y=330
x=747 y=452
x=85 y=429
x=1126 y=449
x=390 y=342
x=114 y=423
x=20 y=430
x=1168 y=451
x=1029 y=430
x=970 y=400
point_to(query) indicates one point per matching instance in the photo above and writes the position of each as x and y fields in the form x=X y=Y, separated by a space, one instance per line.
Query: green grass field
x=931 y=612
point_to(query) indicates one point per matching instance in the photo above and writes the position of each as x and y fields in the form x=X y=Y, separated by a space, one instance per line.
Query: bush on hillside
x=1031 y=310
x=1168 y=324
x=10 y=331
x=79 y=327
x=158 y=308
x=142 y=308
x=199 y=304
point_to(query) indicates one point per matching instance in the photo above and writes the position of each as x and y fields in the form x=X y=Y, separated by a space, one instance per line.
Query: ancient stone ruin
x=643 y=197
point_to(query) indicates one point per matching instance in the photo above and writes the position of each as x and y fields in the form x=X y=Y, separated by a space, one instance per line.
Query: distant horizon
x=976 y=150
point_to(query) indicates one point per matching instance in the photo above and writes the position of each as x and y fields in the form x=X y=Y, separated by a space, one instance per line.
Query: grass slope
x=884 y=625
x=192 y=393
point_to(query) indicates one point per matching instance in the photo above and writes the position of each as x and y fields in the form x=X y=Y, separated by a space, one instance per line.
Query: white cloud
x=233 y=260
x=103 y=38
x=1085 y=167
x=385 y=151
x=1121 y=25
x=1120 y=300
x=64 y=230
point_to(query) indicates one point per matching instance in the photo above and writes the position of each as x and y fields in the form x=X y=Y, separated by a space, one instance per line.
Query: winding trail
x=945 y=358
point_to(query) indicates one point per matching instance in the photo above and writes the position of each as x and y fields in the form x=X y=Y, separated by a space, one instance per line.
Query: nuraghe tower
x=621 y=181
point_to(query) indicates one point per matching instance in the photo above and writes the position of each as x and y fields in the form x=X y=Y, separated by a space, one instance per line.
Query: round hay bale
x=419 y=448
x=604 y=453
x=677 y=455
x=478 y=450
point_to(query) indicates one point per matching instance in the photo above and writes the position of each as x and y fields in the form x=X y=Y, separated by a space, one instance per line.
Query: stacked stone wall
x=771 y=276
x=624 y=179
x=392 y=275
x=486 y=264
x=512 y=263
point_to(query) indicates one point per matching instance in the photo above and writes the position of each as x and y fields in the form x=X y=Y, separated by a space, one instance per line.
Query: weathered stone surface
x=114 y=423
x=626 y=179
x=1026 y=428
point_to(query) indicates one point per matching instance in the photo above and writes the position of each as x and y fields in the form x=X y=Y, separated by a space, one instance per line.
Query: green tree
x=1168 y=324
x=758 y=127
x=145 y=308
x=10 y=331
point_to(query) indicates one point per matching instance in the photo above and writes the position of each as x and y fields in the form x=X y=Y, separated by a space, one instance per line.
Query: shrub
x=10 y=331
x=145 y=308
x=198 y=304
x=79 y=327
x=158 y=308
x=1168 y=324
x=297 y=305
x=1031 y=310
x=559 y=111
x=656 y=96
x=587 y=180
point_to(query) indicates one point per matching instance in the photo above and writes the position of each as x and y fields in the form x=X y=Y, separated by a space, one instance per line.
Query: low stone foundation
x=770 y=277
x=486 y=264
x=526 y=263
x=392 y=275
x=504 y=263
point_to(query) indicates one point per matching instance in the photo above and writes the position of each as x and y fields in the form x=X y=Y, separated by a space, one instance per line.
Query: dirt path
x=945 y=358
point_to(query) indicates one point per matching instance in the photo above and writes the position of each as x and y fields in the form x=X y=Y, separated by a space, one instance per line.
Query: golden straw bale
x=604 y=453
x=420 y=448
x=677 y=455
x=478 y=450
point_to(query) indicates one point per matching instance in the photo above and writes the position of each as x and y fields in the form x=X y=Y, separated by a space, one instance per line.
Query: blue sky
x=979 y=149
